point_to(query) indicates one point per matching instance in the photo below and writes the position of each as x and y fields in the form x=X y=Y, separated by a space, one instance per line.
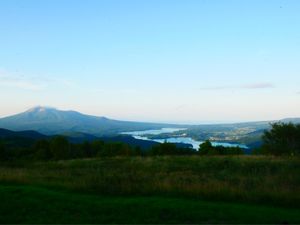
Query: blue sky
x=156 y=60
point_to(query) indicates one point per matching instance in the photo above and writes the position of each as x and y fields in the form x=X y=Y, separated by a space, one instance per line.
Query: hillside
x=4 y=133
x=18 y=201
x=149 y=190
x=15 y=139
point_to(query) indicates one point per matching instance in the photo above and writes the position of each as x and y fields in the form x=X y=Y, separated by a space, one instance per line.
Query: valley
x=175 y=135
x=81 y=127
x=149 y=112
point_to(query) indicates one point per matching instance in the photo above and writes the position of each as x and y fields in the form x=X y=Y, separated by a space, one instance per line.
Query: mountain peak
x=40 y=108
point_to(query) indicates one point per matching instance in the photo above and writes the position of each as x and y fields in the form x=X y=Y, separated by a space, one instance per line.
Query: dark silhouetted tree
x=169 y=149
x=60 y=148
x=205 y=148
x=3 y=151
x=282 y=139
x=97 y=147
x=42 y=150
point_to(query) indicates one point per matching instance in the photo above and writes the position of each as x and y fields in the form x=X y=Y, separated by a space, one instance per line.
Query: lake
x=185 y=140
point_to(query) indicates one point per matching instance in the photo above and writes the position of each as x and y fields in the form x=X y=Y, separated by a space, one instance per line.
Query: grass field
x=26 y=204
x=240 y=189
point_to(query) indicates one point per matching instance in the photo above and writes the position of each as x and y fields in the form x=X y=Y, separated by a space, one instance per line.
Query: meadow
x=226 y=189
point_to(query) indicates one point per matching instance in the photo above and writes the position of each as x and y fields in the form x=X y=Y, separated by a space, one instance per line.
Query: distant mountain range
x=51 y=121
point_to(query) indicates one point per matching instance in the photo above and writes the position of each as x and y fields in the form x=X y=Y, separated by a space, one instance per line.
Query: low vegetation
x=161 y=189
x=265 y=180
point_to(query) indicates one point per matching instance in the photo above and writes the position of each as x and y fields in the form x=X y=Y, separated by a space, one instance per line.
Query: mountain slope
x=4 y=133
x=17 y=139
x=291 y=120
x=51 y=121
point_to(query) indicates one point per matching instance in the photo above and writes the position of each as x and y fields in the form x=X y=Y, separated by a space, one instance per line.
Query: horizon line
x=188 y=123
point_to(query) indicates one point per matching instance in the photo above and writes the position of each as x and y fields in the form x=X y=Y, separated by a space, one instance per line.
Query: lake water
x=185 y=140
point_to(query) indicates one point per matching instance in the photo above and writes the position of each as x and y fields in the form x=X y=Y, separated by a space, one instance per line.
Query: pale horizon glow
x=171 y=61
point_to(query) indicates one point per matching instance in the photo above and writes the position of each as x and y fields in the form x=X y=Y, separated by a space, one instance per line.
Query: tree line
x=59 y=148
x=206 y=148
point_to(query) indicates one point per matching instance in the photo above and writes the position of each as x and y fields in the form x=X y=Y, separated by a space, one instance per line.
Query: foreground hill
x=152 y=190
x=18 y=202
x=51 y=121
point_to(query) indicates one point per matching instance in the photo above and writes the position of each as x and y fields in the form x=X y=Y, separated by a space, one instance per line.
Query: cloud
x=216 y=88
x=110 y=91
x=32 y=83
x=60 y=81
x=20 y=82
x=245 y=86
x=258 y=86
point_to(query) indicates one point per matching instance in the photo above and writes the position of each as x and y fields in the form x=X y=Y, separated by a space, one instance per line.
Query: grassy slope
x=27 y=204
x=263 y=180
x=152 y=190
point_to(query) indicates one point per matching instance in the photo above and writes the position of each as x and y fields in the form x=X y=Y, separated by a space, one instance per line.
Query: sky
x=183 y=61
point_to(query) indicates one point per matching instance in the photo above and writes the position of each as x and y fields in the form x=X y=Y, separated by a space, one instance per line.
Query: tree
x=282 y=139
x=170 y=149
x=205 y=148
x=88 y=149
x=137 y=151
x=164 y=149
x=60 y=148
x=3 y=151
x=97 y=147
x=42 y=150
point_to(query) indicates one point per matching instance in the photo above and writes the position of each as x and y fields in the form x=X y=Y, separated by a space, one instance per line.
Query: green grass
x=264 y=180
x=27 y=204
x=231 y=189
